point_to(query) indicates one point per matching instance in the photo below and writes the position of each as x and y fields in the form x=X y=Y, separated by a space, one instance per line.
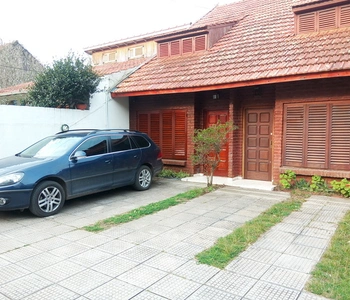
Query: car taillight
x=160 y=155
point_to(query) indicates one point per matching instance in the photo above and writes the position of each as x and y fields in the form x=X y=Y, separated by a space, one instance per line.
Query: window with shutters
x=323 y=19
x=317 y=136
x=183 y=46
x=168 y=130
x=136 y=52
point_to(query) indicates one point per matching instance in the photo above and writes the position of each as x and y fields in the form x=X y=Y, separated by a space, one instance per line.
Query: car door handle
x=108 y=161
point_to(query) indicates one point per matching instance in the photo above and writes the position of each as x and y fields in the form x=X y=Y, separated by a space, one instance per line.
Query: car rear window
x=140 y=141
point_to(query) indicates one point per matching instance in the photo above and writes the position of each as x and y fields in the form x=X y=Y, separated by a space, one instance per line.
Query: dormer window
x=183 y=46
x=109 y=57
x=136 y=52
x=314 y=18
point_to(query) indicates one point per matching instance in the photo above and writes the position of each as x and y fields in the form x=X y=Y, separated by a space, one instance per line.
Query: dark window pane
x=141 y=141
x=94 y=146
x=120 y=143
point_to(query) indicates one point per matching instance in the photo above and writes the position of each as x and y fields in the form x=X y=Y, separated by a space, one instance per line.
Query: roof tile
x=261 y=44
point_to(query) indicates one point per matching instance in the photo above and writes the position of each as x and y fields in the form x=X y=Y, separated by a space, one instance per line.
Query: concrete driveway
x=153 y=257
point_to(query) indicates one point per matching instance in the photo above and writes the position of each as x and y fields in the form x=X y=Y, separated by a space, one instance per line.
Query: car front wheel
x=143 y=179
x=47 y=199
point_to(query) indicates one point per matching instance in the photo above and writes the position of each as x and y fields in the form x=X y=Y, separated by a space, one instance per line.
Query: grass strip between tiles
x=331 y=276
x=230 y=246
x=149 y=209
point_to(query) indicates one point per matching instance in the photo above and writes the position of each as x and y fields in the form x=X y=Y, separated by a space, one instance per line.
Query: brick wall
x=306 y=91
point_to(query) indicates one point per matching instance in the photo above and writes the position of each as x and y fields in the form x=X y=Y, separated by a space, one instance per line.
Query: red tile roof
x=16 y=89
x=262 y=45
x=111 y=68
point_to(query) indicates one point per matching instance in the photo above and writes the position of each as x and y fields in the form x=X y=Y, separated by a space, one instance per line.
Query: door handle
x=108 y=161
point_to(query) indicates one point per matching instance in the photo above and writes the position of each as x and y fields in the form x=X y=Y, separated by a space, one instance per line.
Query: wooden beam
x=291 y=78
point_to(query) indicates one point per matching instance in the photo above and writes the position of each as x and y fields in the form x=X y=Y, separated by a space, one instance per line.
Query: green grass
x=331 y=277
x=148 y=209
x=227 y=248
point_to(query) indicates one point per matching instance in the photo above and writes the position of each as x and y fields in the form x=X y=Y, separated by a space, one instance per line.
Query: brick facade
x=235 y=102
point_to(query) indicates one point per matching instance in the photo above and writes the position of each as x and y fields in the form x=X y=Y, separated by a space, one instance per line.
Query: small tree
x=208 y=144
x=67 y=82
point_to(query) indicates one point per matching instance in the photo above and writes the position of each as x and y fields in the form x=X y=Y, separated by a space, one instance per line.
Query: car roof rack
x=91 y=131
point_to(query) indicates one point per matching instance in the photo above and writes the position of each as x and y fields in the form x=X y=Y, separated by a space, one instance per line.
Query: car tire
x=143 y=179
x=47 y=199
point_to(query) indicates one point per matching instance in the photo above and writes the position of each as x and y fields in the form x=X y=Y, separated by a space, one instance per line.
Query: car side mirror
x=79 y=154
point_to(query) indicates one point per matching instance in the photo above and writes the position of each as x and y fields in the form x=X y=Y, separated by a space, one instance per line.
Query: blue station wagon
x=75 y=163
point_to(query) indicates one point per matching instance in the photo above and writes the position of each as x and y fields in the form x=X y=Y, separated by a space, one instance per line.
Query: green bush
x=318 y=184
x=168 y=173
x=287 y=179
x=342 y=187
x=302 y=184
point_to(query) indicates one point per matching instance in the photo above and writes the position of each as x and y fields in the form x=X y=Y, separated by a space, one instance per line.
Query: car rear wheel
x=47 y=199
x=143 y=179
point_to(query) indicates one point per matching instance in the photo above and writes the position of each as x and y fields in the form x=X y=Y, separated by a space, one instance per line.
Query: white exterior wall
x=21 y=126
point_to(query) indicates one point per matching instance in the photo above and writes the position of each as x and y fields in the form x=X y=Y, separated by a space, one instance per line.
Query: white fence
x=21 y=126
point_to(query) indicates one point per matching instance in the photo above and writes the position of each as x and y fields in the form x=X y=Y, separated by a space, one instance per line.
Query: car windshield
x=50 y=147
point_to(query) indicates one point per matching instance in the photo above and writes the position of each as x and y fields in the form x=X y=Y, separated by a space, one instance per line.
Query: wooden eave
x=272 y=80
x=317 y=5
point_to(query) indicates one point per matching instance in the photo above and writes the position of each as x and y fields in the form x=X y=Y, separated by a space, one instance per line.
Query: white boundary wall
x=21 y=126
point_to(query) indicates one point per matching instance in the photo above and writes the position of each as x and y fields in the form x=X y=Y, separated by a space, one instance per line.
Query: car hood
x=16 y=163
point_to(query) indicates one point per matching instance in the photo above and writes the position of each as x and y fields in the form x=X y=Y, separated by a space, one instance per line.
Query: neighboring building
x=14 y=95
x=279 y=69
x=17 y=65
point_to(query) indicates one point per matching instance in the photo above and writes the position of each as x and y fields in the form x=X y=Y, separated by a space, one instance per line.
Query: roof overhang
x=263 y=81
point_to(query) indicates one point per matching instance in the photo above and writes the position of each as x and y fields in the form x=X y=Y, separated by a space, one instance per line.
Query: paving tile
x=311 y=241
x=50 y=244
x=232 y=283
x=286 y=278
x=287 y=227
x=9 y=244
x=226 y=225
x=210 y=293
x=12 y=272
x=160 y=242
x=146 y=295
x=248 y=267
x=202 y=240
x=117 y=231
x=166 y=262
x=295 y=263
x=272 y=244
x=308 y=296
x=85 y=281
x=196 y=272
x=185 y=250
x=304 y=251
x=264 y=290
x=76 y=235
x=70 y=250
x=215 y=231
x=261 y=255
x=114 y=289
x=155 y=230
x=53 y=292
x=116 y=246
x=19 y=254
x=137 y=237
x=24 y=286
x=60 y=271
x=174 y=287
x=90 y=257
x=142 y=276
x=317 y=232
x=95 y=240
x=139 y=253
x=114 y=266
x=40 y=261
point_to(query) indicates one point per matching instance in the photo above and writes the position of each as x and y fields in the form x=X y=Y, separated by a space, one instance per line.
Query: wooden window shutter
x=187 y=45
x=167 y=135
x=143 y=124
x=200 y=43
x=163 y=49
x=327 y=19
x=175 y=48
x=155 y=128
x=316 y=144
x=344 y=16
x=307 y=23
x=180 y=135
x=340 y=137
x=293 y=136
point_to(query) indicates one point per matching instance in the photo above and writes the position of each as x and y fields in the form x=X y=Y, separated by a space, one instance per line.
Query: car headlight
x=11 y=179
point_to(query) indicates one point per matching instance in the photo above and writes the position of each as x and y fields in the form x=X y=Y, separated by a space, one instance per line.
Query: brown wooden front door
x=258 y=140
x=212 y=117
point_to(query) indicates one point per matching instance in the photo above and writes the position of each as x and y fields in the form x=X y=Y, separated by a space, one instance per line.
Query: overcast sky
x=50 y=29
